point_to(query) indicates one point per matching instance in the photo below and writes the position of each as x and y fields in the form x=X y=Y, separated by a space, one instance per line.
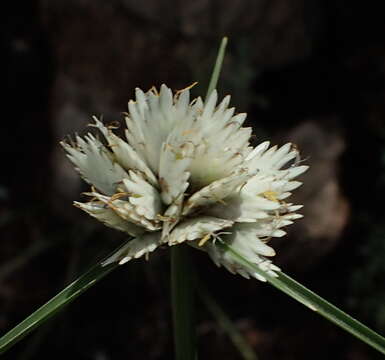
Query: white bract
x=186 y=173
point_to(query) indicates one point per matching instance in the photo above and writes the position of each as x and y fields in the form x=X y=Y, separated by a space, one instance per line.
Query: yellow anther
x=178 y=154
x=163 y=218
x=270 y=195
x=118 y=196
x=204 y=239
x=221 y=201
x=189 y=132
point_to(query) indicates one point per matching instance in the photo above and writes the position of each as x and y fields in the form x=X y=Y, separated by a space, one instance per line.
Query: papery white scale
x=187 y=173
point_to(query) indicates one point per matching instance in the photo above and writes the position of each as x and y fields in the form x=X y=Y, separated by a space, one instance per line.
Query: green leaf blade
x=53 y=306
x=316 y=303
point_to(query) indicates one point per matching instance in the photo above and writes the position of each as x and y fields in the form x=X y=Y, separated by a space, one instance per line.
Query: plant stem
x=217 y=67
x=182 y=279
x=245 y=350
x=182 y=293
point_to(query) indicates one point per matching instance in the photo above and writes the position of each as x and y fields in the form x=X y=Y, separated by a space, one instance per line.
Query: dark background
x=311 y=72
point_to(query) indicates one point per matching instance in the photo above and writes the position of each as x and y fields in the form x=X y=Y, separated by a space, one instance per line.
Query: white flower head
x=186 y=173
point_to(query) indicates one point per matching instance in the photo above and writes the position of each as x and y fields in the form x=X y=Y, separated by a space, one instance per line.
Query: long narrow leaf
x=316 y=303
x=57 y=303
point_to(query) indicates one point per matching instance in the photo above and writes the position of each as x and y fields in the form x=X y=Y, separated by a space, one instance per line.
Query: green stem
x=182 y=293
x=227 y=325
x=182 y=279
x=314 y=302
x=217 y=67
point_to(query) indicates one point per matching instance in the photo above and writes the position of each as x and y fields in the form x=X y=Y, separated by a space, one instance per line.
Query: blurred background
x=311 y=72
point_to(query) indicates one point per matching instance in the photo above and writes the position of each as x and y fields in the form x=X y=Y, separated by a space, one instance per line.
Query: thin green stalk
x=182 y=294
x=56 y=304
x=182 y=288
x=314 y=302
x=245 y=350
x=217 y=67
x=182 y=283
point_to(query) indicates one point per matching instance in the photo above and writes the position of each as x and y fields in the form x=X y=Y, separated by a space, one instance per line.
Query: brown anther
x=178 y=92
x=163 y=184
x=116 y=197
x=163 y=218
x=113 y=125
x=154 y=90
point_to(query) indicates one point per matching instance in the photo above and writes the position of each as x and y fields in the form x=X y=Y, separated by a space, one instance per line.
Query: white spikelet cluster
x=186 y=173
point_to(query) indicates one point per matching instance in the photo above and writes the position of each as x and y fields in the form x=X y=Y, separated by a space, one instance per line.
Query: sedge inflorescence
x=186 y=172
